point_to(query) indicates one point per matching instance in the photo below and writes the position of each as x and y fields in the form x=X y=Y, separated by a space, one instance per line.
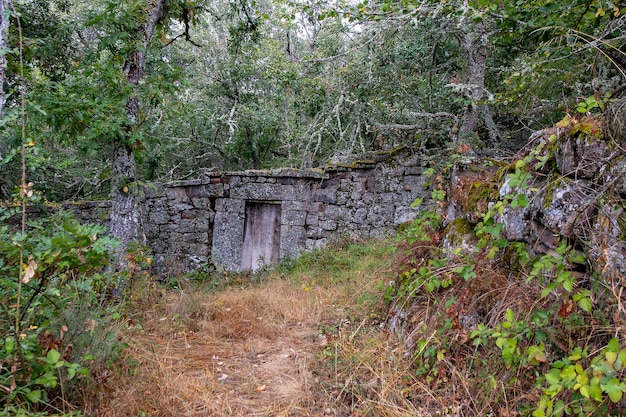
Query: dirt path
x=243 y=352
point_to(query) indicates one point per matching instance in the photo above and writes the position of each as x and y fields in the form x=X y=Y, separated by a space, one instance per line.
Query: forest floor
x=309 y=344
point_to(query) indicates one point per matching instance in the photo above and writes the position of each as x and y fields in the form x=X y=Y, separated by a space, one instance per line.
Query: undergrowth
x=58 y=335
x=500 y=330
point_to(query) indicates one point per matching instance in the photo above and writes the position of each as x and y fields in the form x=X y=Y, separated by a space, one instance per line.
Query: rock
x=614 y=174
x=581 y=157
x=472 y=187
x=568 y=206
x=459 y=235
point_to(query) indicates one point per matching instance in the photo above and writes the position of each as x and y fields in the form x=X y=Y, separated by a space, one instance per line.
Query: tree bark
x=4 y=27
x=475 y=42
x=125 y=193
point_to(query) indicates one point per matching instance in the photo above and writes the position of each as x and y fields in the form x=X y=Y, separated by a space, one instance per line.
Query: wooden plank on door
x=261 y=243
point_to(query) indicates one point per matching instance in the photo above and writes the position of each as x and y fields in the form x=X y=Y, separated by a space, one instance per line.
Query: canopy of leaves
x=260 y=84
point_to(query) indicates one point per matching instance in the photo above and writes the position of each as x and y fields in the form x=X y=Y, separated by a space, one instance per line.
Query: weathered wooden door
x=261 y=235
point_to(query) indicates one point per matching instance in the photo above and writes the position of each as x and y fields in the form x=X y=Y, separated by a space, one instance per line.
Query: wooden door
x=261 y=241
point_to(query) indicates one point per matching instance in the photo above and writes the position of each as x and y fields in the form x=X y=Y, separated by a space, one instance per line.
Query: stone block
x=312 y=220
x=413 y=182
x=332 y=211
x=175 y=193
x=294 y=205
x=381 y=215
x=343 y=198
x=267 y=192
x=312 y=244
x=206 y=191
x=201 y=203
x=293 y=218
x=193 y=225
x=360 y=216
x=197 y=237
x=315 y=232
x=388 y=198
x=230 y=205
x=190 y=214
x=404 y=214
x=292 y=240
x=328 y=225
x=325 y=195
x=566 y=208
x=176 y=206
x=414 y=170
x=159 y=217
x=368 y=198
x=315 y=207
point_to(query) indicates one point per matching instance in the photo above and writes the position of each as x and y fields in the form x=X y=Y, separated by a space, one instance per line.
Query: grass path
x=270 y=349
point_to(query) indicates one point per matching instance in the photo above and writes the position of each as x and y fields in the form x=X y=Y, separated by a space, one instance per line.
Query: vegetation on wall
x=525 y=330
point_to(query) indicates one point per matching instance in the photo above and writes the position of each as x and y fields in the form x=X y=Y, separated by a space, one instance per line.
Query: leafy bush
x=54 y=327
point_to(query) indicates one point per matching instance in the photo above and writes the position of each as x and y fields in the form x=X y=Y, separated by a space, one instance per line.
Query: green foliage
x=338 y=261
x=555 y=345
x=591 y=380
x=53 y=327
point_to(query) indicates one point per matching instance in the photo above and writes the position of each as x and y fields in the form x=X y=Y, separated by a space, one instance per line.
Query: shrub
x=54 y=325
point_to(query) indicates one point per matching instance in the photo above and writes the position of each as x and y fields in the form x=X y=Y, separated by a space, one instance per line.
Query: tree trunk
x=475 y=41
x=4 y=27
x=125 y=192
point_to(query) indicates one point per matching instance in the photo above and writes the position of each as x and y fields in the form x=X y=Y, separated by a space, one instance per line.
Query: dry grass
x=257 y=350
x=309 y=342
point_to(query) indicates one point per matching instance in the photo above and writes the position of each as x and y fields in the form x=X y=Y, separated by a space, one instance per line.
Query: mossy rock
x=459 y=234
x=473 y=189
x=479 y=196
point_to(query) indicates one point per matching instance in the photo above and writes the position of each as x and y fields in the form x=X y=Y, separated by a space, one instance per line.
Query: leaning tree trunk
x=125 y=196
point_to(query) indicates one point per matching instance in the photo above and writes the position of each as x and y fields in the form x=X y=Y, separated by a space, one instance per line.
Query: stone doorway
x=261 y=235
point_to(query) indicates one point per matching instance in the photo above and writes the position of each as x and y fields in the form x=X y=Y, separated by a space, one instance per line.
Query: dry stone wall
x=191 y=225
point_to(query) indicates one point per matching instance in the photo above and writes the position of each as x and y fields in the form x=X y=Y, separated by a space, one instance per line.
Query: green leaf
x=584 y=391
x=34 y=396
x=9 y=345
x=553 y=377
x=509 y=315
x=611 y=357
x=585 y=304
x=613 y=345
x=501 y=342
x=614 y=388
x=595 y=391
x=568 y=285
x=54 y=356
x=84 y=371
x=546 y=291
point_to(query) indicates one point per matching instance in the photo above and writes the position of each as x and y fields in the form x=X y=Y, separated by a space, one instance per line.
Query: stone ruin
x=242 y=220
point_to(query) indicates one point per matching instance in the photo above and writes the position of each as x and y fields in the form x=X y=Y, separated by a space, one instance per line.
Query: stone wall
x=575 y=190
x=190 y=225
